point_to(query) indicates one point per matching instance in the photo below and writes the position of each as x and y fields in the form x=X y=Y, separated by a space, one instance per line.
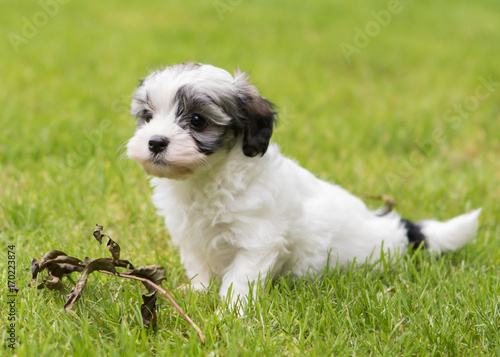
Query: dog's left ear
x=258 y=117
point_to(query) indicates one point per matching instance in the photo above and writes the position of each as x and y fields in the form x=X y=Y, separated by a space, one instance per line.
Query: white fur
x=239 y=218
x=453 y=234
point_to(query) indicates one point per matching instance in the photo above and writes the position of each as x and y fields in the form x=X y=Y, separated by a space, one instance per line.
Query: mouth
x=159 y=161
x=159 y=167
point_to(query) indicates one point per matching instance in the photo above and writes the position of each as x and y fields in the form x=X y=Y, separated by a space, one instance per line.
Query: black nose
x=158 y=143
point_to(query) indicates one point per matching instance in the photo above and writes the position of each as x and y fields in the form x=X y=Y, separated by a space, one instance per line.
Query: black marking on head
x=258 y=119
x=208 y=147
x=259 y=128
x=217 y=133
x=414 y=234
x=189 y=100
x=145 y=114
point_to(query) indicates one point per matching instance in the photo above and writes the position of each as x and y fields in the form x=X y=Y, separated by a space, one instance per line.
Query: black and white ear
x=258 y=117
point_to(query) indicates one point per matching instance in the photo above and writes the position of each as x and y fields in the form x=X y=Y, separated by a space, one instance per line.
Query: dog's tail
x=443 y=236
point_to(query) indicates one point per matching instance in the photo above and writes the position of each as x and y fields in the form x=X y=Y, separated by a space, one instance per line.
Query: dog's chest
x=211 y=206
x=199 y=214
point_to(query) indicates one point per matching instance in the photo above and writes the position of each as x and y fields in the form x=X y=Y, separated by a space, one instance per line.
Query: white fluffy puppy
x=237 y=208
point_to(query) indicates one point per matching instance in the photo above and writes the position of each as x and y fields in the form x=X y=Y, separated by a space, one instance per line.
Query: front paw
x=232 y=302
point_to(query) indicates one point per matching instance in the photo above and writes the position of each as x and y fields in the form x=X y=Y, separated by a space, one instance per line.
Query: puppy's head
x=189 y=112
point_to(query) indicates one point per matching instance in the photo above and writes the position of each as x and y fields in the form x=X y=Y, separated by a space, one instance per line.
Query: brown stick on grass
x=162 y=291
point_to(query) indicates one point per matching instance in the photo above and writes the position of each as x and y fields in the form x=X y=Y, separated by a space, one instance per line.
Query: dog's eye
x=147 y=115
x=198 y=122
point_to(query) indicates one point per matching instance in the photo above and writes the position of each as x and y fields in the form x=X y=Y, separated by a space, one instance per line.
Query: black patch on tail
x=414 y=234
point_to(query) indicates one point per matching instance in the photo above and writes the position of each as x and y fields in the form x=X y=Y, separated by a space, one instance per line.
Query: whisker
x=122 y=152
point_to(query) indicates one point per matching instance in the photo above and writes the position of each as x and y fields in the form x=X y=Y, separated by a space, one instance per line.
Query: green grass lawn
x=411 y=111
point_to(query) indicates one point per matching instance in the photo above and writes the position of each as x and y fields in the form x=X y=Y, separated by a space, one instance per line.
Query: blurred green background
x=381 y=97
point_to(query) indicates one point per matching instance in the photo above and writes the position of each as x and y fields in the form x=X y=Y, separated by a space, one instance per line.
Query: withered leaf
x=62 y=259
x=148 y=310
x=97 y=233
x=155 y=273
x=53 y=268
x=114 y=248
x=13 y=287
x=61 y=269
x=52 y=254
x=123 y=264
x=35 y=268
x=58 y=266
x=91 y=265
x=52 y=283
